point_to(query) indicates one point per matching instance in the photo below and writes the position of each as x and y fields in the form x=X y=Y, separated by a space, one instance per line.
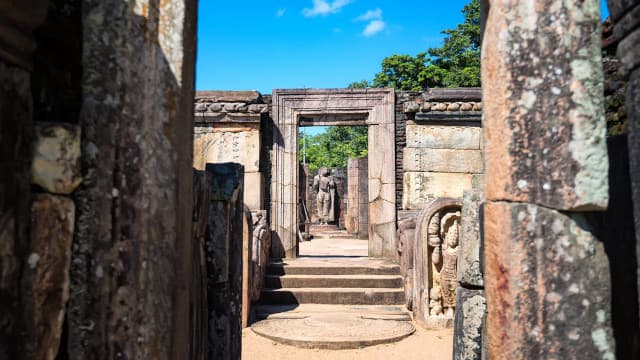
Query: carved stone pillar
x=547 y=276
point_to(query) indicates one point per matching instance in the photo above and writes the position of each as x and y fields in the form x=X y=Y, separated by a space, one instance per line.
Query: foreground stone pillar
x=132 y=251
x=547 y=275
x=224 y=257
x=469 y=341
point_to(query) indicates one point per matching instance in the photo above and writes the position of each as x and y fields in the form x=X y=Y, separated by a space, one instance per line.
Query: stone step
x=333 y=281
x=318 y=268
x=345 y=296
x=396 y=312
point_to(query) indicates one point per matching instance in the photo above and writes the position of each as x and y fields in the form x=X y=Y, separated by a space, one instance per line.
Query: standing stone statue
x=449 y=273
x=324 y=185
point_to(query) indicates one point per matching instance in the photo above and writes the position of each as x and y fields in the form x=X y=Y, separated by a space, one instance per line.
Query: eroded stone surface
x=443 y=137
x=544 y=124
x=469 y=321
x=219 y=144
x=56 y=157
x=45 y=279
x=470 y=259
x=547 y=285
x=443 y=160
x=422 y=187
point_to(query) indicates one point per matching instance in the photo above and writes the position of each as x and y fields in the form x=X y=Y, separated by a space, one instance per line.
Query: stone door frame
x=372 y=107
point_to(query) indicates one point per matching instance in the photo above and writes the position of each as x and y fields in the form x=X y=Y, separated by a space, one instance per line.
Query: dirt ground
x=423 y=344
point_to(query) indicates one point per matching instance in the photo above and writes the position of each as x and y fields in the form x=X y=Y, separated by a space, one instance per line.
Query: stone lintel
x=246 y=96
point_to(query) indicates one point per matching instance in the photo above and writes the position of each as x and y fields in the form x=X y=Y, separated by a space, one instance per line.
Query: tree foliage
x=362 y=84
x=455 y=64
x=333 y=147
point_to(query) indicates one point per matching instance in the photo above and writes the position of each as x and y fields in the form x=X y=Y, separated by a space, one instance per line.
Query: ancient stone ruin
x=140 y=219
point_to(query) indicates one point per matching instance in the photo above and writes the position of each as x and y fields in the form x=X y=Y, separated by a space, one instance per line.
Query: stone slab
x=421 y=187
x=443 y=137
x=443 y=160
x=470 y=271
x=229 y=144
x=56 y=157
x=46 y=273
x=471 y=309
x=544 y=118
x=334 y=330
x=547 y=285
x=254 y=190
x=227 y=96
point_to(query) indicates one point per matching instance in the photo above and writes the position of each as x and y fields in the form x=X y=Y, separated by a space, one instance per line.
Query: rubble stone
x=56 y=157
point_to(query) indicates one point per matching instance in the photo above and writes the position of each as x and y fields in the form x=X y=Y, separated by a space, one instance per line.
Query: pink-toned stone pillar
x=547 y=276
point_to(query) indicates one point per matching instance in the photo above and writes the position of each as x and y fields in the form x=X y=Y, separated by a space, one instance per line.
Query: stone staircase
x=333 y=303
x=333 y=281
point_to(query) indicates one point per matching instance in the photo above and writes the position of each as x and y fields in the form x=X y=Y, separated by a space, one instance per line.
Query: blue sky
x=262 y=45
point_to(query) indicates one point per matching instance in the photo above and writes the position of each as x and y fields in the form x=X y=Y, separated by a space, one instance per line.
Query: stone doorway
x=306 y=107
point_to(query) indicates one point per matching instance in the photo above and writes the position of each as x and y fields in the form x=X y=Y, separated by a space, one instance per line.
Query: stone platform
x=335 y=326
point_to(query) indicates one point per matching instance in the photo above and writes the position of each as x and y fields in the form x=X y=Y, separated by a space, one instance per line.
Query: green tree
x=333 y=147
x=455 y=64
x=362 y=84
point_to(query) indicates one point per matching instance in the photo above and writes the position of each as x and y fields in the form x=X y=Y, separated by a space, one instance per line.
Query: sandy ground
x=423 y=344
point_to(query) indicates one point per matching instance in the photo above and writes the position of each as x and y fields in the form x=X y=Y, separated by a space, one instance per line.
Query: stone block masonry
x=443 y=144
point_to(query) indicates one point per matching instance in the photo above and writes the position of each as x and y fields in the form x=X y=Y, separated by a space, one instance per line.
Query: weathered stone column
x=547 y=276
x=132 y=251
x=223 y=244
x=626 y=16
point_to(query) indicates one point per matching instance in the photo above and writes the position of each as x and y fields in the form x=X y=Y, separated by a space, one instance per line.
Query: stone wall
x=443 y=137
x=228 y=129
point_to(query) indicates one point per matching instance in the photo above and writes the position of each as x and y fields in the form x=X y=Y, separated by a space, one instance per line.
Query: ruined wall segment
x=546 y=274
x=228 y=129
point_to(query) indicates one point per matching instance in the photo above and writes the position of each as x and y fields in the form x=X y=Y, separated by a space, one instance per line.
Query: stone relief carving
x=260 y=251
x=435 y=262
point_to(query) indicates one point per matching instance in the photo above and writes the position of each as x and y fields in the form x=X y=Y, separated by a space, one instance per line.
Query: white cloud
x=281 y=12
x=323 y=7
x=370 y=15
x=374 y=27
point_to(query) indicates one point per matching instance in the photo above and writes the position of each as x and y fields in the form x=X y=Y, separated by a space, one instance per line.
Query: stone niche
x=227 y=129
x=435 y=261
